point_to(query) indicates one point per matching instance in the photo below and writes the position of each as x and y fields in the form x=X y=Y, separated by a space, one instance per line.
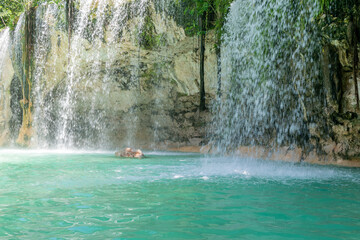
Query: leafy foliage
x=335 y=15
x=215 y=12
x=221 y=10
x=148 y=34
x=10 y=10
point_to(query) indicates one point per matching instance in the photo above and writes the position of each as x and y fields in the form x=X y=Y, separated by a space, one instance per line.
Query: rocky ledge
x=281 y=154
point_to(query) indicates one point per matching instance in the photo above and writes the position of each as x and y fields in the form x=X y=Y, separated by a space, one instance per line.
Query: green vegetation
x=341 y=20
x=10 y=10
x=209 y=14
x=213 y=12
x=336 y=15
x=148 y=37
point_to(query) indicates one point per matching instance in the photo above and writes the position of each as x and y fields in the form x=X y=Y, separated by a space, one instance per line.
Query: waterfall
x=4 y=47
x=64 y=115
x=271 y=69
x=70 y=110
x=4 y=52
x=102 y=73
x=16 y=45
x=45 y=19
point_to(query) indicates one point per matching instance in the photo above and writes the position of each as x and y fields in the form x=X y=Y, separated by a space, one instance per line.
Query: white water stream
x=4 y=46
x=271 y=68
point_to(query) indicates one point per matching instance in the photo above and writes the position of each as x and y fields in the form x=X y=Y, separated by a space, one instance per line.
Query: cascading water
x=4 y=52
x=163 y=7
x=72 y=114
x=66 y=116
x=69 y=110
x=271 y=54
x=109 y=83
x=116 y=27
x=4 y=46
x=17 y=51
x=45 y=18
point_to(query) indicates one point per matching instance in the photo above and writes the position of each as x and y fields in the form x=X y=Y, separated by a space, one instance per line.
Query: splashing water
x=271 y=55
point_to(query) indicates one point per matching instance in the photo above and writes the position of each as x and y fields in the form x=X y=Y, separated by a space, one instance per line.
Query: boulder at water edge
x=130 y=153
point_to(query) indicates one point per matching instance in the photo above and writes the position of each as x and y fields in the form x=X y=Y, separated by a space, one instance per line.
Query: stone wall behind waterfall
x=151 y=97
x=343 y=139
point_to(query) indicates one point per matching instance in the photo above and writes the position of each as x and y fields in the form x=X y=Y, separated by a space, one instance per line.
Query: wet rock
x=195 y=141
x=339 y=130
x=130 y=153
x=329 y=148
x=350 y=115
x=189 y=115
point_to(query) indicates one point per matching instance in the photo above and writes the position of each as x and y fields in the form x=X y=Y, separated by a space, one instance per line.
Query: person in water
x=130 y=153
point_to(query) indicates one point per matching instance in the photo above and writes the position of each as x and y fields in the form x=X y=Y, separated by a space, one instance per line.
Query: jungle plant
x=10 y=10
x=335 y=14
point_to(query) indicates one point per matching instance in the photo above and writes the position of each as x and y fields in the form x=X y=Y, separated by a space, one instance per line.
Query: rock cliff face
x=144 y=96
x=342 y=138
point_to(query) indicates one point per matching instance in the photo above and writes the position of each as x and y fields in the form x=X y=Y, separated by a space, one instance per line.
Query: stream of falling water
x=45 y=16
x=16 y=43
x=4 y=46
x=4 y=52
x=71 y=109
x=271 y=55
x=99 y=25
x=65 y=135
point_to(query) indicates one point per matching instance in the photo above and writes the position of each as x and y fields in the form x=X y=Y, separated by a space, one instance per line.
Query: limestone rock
x=135 y=97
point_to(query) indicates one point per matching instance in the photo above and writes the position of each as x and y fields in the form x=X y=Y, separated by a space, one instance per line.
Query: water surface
x=93 y=195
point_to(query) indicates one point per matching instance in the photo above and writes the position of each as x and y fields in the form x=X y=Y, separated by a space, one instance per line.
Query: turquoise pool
x=93 y=195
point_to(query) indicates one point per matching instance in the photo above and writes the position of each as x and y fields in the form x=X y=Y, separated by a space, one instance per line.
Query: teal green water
x=55 y=195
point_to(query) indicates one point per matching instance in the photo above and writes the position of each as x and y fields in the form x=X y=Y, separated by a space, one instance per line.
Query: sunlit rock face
x=118 y=79
x=6 y=75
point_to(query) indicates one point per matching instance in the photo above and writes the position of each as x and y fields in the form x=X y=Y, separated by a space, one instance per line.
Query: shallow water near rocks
x=93 y=195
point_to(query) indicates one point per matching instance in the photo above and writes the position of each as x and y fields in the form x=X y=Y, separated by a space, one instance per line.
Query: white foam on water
x=149 y=170
x=169 y=153
x=178 y=176
x=51 y=151
x=247 y=167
